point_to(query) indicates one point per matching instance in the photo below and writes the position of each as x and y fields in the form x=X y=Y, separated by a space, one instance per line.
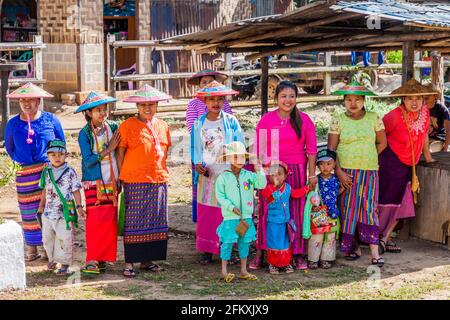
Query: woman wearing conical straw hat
x=358 y=137
x=407 y=137
x=141 y=157
x=98 y=141
x=195 y=109
x=26 y=138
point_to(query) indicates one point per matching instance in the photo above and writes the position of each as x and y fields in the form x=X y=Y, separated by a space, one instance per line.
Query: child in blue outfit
x=322 y=242
x=280 y=226
x=235 y=192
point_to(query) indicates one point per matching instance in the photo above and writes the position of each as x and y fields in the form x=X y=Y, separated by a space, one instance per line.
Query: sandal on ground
x=289 y=269
x=91 y=268
x=392 y=247
x=63 y=271
x=102 y=266
x=300 y=264
x=325 y=264
x=273 y=270
x=51 y=266
x=153 y=268
x=248 y=276
x=352 y=256
x=256 y=263
x=379 y=262
x=129 y=273
x=206 y=259
x=32 y=257
x=313 y=265
x=229 y=277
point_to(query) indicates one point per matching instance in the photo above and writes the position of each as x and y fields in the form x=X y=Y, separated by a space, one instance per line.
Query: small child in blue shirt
x=322 y=245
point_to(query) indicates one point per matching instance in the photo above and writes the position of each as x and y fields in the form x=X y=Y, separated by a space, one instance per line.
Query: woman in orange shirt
x=142 y=154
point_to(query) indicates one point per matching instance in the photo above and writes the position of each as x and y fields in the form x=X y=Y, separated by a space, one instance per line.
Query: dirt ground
x=421 y=271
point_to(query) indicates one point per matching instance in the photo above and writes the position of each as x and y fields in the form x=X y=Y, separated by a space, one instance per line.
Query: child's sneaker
x=289 y=269
x=300 y=263
x=273 y=270
x=256 y=263
x=326 y=264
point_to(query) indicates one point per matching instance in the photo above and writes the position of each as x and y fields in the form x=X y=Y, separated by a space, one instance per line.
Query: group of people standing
x=366 y=179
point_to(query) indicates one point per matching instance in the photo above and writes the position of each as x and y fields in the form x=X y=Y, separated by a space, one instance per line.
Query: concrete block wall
x=92 y=73
x=60 y=68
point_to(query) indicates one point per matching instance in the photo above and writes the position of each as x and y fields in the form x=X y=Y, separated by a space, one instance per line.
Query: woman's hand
x=236 y=211
x=114 y=142
x=345 y=179
x=200 y=169
x=313 y=180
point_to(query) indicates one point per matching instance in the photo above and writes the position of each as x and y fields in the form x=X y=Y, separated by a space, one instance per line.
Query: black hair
x=87 y=117
x=295 y=119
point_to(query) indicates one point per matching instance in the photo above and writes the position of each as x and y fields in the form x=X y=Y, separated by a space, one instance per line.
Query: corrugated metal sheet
x=430 y=14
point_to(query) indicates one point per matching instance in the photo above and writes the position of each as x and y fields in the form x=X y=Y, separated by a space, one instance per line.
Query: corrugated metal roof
x=430 y=14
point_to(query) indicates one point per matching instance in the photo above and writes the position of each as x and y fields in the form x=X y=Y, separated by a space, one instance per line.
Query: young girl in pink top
x=288 y=135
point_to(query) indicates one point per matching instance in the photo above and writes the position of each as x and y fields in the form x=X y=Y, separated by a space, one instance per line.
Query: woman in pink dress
x=288 y=135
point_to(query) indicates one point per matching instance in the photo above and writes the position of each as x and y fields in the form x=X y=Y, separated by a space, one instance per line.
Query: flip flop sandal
x=352 y=256
x=32 y=257
x=51 y=266
x=256 y=264
x=379 y=262
x=392 y=247
x=102 y=266
x=63 y=272
x=153 y=268
x=325 y=265
x=129 y=273
x=250 y=277
x=300 y=264
x=229 y=277
x=313 y=265
x=91 y=268
x=289 y=269
x=273 y=270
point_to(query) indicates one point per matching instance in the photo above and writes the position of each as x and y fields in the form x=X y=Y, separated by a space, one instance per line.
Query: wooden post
x=5 y=103
x=111 y=60
x=264 y=85
x=228 y=65
x=408 y=61
x=327 y=79
x=37 y=60
x=418 y=71
x=437 y=73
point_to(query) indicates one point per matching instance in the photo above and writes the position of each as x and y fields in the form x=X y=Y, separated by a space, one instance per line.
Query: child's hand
x=82 y=213
x=236 y=211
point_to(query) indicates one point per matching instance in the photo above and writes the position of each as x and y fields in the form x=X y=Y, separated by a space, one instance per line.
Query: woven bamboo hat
x=93 y=100
x=355 y=88
x=147 y=93
x=412 y=88
x=215 y=89
x=218 y=76
x=29 y=90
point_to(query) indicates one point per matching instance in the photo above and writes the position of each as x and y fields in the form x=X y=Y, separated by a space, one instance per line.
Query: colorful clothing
x=232 y=192
x=29 y=196
x=143 y=162
x=228 y=237
x=197 y=108
x=322 y=247
x=397 y=133
x=396 y=199
x=277 y=140
x=279 y=253
x=101 y=227
x=146 y=222
x=329 y=192
x=357 y=148
x=46 y=128
x=67 y=182
x=90 y=162
x=359 y=217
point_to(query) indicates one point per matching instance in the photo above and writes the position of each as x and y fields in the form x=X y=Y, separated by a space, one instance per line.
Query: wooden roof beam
x=301 y=28
x=352 y=43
